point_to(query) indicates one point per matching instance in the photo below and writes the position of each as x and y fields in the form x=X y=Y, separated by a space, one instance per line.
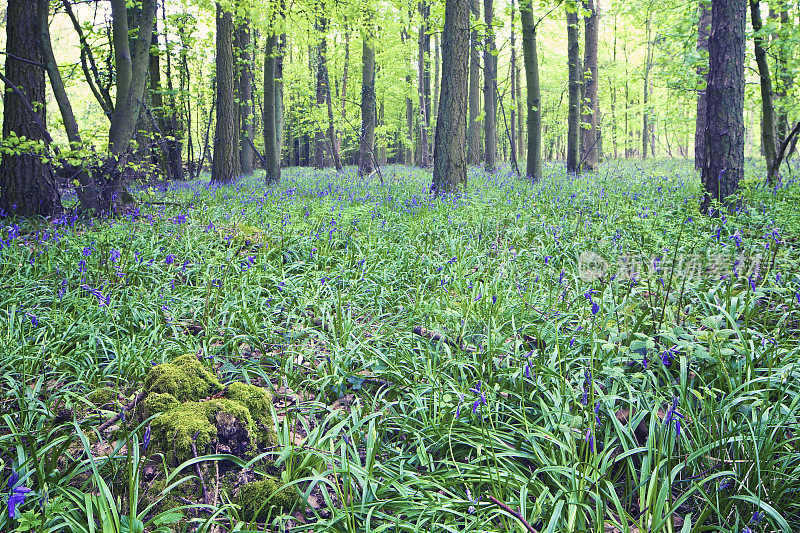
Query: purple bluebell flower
x=589 y=438
x=115 y=255
x=17 y=496
x=146 y=439
x=102 y=299
x=757 y=517
x=170 y=259
x=86 y=251
x=34 y=319
x=673 y=415
x=81 y=266
x=737 y=238
x=494 y=299
x=595 y=308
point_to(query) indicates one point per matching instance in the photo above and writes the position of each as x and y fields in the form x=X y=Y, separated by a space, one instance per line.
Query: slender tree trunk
x=767 y=111
x=27 y=184
x=534 y=98
x=423 y=150
x=246 y=98
x=159 y=150
x=646 y=123
x=366 y=157
x=723 y=166
x=703 y=32
x=271 y=151
x=590 y=152
x=382 y=150
x=512 y=71
x=225 y=154
x=490 y=90
x=449 y=161
x=278 y=96
x=408 y=151
x=171 y=121
x=473 y=153
x=323 y=90
x=783 y=75
x=574 y=120
x=436 y=61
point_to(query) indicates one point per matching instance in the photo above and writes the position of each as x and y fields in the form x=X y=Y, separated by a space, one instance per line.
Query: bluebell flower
x=589 y=438
x=595 y=308
x=757 y=517
x=17 y=496
x=146 y=439
x=115 y=255
x=86 y=251
x=674 y=416
x=170 y=259
x=34 y=319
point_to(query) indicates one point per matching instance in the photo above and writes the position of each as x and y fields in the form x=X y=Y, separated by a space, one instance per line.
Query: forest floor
x=583 y=353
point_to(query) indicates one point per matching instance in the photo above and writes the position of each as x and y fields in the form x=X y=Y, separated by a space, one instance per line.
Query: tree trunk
x=783 y=75
x=225 y=153
x=574 y=120
x=490 y=91
x=323 y=90
x=408 y=144
x=278 y=94
x=247 y=155
x=449 y=162
x=703 y=32
x=423 y=150
x=723 y=166
x=436 y=84
x=534 y=98
x=271 y=152
x=27 y=184
x=767 y=111
x=473 y=152
x=590 y=153
x=366 y=157
x=646 y=122
x=171 y=120
x=512 y=68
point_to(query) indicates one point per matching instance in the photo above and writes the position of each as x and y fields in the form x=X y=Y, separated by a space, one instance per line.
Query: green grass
x=316 y=285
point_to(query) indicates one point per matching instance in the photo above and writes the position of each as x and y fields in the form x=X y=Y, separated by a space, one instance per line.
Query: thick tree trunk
x=783 y=75
x=27 y=184
x=449 y=161
x=489 y=91
x=278 y=94
x=723 y=167
x=703 y=32
x=534 y=98
x=767 y=111
x=271 y=151
x=436 y=83
x=225 y=148
x=473 y=134
x=573 y=55
x=512 y=73
x=366 y=157
x=590 y=152
x=246 y=156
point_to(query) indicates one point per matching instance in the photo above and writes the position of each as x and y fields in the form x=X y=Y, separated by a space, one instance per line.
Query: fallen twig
x=105 y=425
x=434 y=336
x=198 y=472
x=513 y=513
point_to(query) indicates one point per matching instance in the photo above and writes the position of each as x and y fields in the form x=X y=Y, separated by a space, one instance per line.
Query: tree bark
x=271 y=151
x=225 y=153
x=489 y=91
x=512 y=72
x=366 y=157
x=590 y=152
x=449 y=161
x=723 y=166
x=423 y=149
x=246 y=156
x=767 y=110
x=436 y=84
x=574 y=119
x=27 y=184
x=703 y=32
x=534 y=98
x=783 y=75
x=646 y=123
x=323 y=89
x=474 y=143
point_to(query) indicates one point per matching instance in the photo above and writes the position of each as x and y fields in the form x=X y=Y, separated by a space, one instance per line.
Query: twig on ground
x=105 y=425
x=434 y=336
x=513 y=513
x=197 y=470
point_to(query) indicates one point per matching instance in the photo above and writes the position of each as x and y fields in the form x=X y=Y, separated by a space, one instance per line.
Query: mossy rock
x=185 y=378
x=257 y=401
x=158 y=402
x=261 y=499
x=102 y=397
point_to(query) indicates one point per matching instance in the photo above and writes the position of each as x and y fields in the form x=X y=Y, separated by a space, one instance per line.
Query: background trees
x=116 y=81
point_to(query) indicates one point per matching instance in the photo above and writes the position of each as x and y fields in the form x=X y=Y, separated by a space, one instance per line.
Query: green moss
x=185 y=378
x=257 y=401
x=218 y=421
x=157 y=402
x=259 y=499
x=104 y=396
